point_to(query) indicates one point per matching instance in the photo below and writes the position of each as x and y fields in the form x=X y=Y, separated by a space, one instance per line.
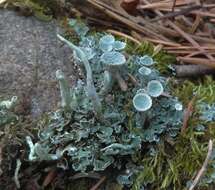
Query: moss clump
x=174 y=165
x=163 y=59
x=43 y=10
x=203 y=90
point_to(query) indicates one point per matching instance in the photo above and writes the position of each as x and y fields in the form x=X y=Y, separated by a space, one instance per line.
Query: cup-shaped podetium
x=145 y=71
x=178 y=107
x=113 y=62
x=142 y=102
x=146 y=60
x=64 y=90
x=113 y=59
x=106 y=43
x=118 y=45
x=107 y=83
x=155 y=88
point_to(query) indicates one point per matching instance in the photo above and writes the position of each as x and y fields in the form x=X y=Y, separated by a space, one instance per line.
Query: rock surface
x=30 y=55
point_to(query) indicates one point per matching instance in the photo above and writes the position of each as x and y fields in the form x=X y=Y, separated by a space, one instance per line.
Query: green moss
x=163 y=59
x=203 y=89
x=42 y=10
x=175 y=165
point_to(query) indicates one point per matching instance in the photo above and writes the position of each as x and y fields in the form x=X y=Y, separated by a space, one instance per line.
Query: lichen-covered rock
x=30 y=55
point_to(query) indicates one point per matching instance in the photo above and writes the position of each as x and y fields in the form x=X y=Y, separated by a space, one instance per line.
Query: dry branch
x=204 y=166
x=192 y=70
x=190 y=36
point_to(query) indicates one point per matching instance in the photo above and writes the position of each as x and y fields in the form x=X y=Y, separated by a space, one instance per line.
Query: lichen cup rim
x=159 y=85
x=144 y=97
x=105 y=58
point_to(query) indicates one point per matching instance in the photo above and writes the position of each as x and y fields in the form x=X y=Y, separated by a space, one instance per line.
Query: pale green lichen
x=92 y=143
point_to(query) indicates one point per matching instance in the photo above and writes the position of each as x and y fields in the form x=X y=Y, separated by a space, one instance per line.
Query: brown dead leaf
x=130 y=6
x=49 y=178
x=187 y=115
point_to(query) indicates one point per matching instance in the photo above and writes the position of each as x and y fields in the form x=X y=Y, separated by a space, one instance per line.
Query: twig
x=141 y=39
x=184 y=11
x=189 y=47
x=86 y=175
x=187 y=114
x=133 y=79
x=184 y=34
x=203 y=39
x=196 y=23
x=126 y=19
x=204 y=166
x=50 y=176
x=200 y=61
x=160 y=5
x=173 y=6
x=96 y=186
x=192 y=70
x=124 y=36
x=207 y=14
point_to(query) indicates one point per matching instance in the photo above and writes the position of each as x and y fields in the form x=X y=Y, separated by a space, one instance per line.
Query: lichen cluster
x=123 y=118
x=120 y=111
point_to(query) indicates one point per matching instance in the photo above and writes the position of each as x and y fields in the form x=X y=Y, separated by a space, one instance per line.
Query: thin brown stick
x=207 y=14
x=184 y=11
x=192 y=70
x=168 y=5
x=203 y=39
x=114 y=32
x=184 y=34
x=96 y=186
x=133 y=79
x=204 y=166
x=190 y=39
x=189 y=48
x=195 y=24
x=164 y=4
x=190 y=53
x=173 y=6
x=200 y=61
x=187 y=115
x=126 y=19
x=161 y=42
x=49 y=177
x=140 y=38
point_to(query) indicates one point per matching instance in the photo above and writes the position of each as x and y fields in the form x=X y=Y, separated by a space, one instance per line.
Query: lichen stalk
x=107 y=83
x=65 y=92
x=91 y=90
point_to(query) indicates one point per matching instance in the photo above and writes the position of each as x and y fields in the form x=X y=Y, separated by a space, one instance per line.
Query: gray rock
x=30 y=53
